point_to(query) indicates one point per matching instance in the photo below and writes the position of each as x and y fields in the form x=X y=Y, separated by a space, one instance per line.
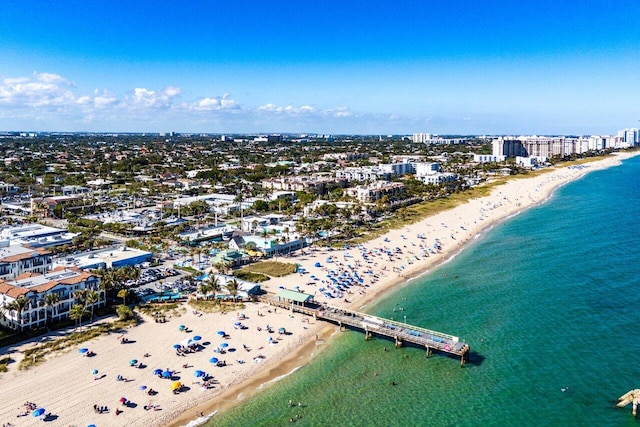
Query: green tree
x=52 y=301
x=18 y=305
x=124 y=312
x=123 y=293
x=77 y=312
x=92 y=298
x=233 y=286
x=214 y=284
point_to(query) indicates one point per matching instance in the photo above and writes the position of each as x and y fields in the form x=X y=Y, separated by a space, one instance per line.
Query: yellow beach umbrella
x=176 y=385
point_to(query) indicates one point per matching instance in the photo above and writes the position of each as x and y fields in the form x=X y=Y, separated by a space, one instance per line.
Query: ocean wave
x=200 y=420
x=279 y=378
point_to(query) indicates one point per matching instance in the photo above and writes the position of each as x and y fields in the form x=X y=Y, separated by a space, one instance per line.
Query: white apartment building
x=437 y=178
x=34 y=288
x=311 y=184
x=16 y=260
x=372 y=192
x=488 y=158
x=426 y=168
x=368 y=173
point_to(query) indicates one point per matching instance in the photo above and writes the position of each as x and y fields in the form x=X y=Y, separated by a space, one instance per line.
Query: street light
x=405 y=319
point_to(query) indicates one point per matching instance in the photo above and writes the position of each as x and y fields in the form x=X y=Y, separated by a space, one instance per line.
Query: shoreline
x=63 y=384
x=304 y=354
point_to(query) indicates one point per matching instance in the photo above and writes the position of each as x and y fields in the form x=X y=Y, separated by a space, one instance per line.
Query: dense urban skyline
x=362 y=67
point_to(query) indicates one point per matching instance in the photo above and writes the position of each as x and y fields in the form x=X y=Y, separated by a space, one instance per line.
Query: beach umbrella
x=38 y=412
x=166 y=374
x=182 y=327
x=281 y=330
x=197 y=338
x=133 y=362
x=237 y=324
x=221 y=333
x=94 y=372
x=142 y=387
x=198 y=373
x=270 y=339
x=224 y=345
x=83 y=350
x=122 y=400
x=176 y=385
x=213 y=360
x=91 y=425
x=157 y=372
x=177 y=346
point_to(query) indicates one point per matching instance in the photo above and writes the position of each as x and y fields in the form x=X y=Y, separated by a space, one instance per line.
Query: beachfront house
x=24 y=301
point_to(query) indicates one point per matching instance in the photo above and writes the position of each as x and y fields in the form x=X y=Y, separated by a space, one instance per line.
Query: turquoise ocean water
x=548 y=300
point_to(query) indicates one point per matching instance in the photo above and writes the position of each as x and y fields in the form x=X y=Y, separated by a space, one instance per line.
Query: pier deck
x=398 y=331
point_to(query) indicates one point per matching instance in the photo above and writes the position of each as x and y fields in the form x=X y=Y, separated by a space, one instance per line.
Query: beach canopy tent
x=295 y=296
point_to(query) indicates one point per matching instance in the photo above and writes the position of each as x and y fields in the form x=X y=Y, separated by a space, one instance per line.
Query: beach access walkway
x=398 y=331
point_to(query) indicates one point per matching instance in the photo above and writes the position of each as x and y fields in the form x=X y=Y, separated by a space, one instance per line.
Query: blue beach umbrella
x=142 y=387
x=221 y=333
x=177 y=346
x=197 y=338
x=198 y=373
x=133 y=362
x=157 y=371
x=94 y=372
x=166 y=374
x=224 y=345
x=182 y=327
x=83 y=350
x=38 y=412
x=213 y=360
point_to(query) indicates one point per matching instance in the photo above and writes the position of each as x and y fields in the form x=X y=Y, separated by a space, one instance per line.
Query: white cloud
x=51 y=99
x=38 y=90
x=288 y=109
x=218 y=103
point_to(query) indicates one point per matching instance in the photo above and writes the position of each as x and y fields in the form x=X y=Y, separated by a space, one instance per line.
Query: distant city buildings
x=546 y=147
x=427 y=138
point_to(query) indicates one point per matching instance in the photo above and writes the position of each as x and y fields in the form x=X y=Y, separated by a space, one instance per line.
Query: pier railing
x=398 y=331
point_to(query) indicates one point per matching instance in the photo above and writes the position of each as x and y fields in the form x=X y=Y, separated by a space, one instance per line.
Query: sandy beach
x=253 y=349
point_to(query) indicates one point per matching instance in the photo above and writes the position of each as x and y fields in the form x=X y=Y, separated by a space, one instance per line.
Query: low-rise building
x=105 y=259
x=437 y=178
x=375 y=191
x=16 y=260
x=33 y=289
x=37 y=235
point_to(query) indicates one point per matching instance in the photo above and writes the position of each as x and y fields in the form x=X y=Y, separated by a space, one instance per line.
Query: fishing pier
x=372 y=325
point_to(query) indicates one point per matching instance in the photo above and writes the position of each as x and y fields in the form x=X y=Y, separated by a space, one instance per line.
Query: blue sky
x=368 y=67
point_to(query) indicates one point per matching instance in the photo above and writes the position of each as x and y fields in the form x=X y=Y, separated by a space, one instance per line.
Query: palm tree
x=123 y=293
x=204 y=289
x=18 y=305
x=214 y=284
x=77 y=312
x=52 y=300
x=232 y=286
x=80 y=296
x=92 y=298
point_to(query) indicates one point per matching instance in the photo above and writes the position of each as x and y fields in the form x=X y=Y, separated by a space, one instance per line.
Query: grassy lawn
x=214 y=306
x=271 y=268
x=250 y=276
